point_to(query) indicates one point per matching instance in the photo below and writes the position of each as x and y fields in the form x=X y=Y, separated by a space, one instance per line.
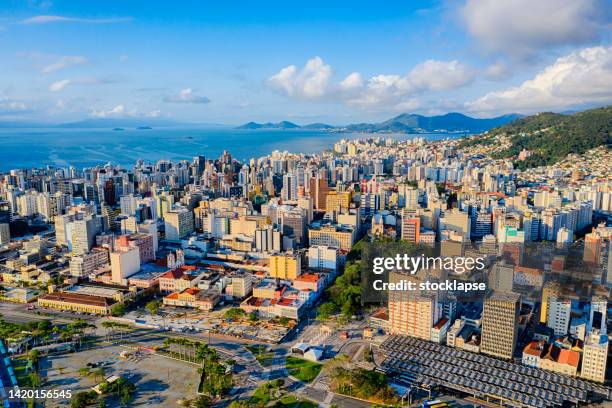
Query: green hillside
x=550 y=136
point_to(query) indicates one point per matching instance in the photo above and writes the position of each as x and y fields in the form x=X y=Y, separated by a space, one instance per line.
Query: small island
x=144 y=128
x=118 y=128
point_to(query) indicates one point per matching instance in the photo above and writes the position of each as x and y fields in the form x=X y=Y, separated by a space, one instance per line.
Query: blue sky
x=338 y=61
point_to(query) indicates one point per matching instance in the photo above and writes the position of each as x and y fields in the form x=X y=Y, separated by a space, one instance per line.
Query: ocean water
x=26 y=148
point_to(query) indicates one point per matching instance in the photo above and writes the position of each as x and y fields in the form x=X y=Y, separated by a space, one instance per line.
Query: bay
x=28 y=148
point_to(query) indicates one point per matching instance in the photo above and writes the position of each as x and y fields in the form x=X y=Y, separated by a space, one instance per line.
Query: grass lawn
x=19 y=366
x=268 y=394
x=289 y=401
x=303 y=370
x=261 y=354
x=261 y=395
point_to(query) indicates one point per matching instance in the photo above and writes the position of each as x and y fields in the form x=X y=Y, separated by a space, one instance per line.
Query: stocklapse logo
x=400 y=266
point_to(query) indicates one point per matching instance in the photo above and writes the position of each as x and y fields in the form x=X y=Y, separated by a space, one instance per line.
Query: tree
x=125 y=396
x=84 y=371
x=44 y=325
x=98 y=373
x=234 y=313
x=35 y=380
x=118 y=309
x=253 y=317
x=102 y=403
x=201 y=401
x=326 y=311
x=34 y=355
x=82 y=399
x=153 y=306
x=239 y=404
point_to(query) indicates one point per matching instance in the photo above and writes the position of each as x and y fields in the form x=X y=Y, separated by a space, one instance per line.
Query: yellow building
x=193 y=297
x=329 y=235
x=412 y=313
x=595 y=357
x=337 y=201
x=237 y=244
x=551 y=289
x=75 y=302
x=285 y=266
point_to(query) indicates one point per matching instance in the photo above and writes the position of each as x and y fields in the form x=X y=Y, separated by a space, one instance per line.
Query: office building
x=500 y=324
x=286 y=266
x=178 y=224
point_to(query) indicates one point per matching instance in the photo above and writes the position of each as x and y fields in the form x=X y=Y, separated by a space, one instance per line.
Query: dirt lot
x=160 y=381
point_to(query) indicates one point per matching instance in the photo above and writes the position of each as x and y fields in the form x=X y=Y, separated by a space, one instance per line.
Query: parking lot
x=160 y=381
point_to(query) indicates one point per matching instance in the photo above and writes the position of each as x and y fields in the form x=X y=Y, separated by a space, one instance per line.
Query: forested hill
x=549 y=136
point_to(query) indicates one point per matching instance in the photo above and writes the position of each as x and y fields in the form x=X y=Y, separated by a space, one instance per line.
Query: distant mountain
x=404 y=123
x=318 y=126
x=550 y=137
x=450 y=122
x=269 y=125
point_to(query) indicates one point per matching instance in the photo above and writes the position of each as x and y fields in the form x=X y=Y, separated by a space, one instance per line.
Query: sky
x=337 y=62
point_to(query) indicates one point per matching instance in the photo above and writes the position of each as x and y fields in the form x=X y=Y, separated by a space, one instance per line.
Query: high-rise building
x=305 y=203
x=289 y=192
x=178 y=223
x=129 y=225
x=322 y=257
x=86 y=264
x=286 y=266
x=457 y=221
x=63 y=229
x=128 y=204
x=125 y=262
x=267 y=239
x=592 y=248
x=293 y=224
x=408 y=196
x=83 y=234
x=595 y=357
x=551 y=290
x=559 y=315
x=411 y=226
x=500 y=324
x=412 y=312
x=5 y=234
x=338 y=201
x=150 y=227
x=318 y=192
x=501 y=277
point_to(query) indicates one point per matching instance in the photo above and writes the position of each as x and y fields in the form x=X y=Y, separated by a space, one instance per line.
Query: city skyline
x=342 y=63
x=345 y=205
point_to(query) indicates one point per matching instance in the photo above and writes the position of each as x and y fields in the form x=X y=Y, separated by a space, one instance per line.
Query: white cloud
x=314 y=81
x=523 y=27
x=64 y=62
x=309 y=82
x=352 y=82
x=497 y=71
x=433 y=75
x=11 y=105
x=63 y=83
x=580 y=78
x=186 y=95
x=59 y=85
x=61 y=19
x=118 y=110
